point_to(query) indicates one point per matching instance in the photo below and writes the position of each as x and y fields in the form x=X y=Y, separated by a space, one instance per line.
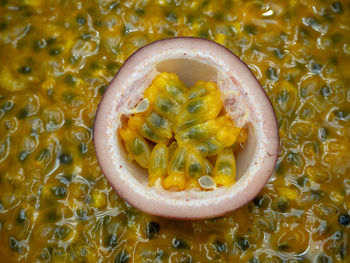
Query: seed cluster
x=182 y=133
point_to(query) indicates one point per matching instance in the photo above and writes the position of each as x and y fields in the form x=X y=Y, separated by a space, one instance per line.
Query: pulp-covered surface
x=57 y=58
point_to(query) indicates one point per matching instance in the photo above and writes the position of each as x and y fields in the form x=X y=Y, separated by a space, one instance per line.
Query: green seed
x=197 y=92
x=149 y=134
x=137 y=146
x=195 y=106
x=175 y=92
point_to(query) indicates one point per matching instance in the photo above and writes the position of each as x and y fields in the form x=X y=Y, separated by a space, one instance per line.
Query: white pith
x=192 y=60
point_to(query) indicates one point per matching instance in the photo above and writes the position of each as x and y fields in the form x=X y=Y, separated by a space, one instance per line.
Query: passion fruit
x=192 y=59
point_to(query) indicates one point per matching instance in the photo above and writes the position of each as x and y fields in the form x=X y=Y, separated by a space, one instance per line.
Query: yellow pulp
x=179 y=131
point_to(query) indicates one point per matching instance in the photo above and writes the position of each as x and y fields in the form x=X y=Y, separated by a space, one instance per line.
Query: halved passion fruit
x=243 y=99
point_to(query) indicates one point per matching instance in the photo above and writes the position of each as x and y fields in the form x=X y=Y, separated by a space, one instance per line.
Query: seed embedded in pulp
x=183 y=136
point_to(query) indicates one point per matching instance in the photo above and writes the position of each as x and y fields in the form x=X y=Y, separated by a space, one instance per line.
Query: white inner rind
x=243 y=99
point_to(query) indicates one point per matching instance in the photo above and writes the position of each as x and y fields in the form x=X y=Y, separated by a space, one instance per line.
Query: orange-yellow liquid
x=56 y=58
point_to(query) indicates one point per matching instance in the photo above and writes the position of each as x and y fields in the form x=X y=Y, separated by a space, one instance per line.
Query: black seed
x=25 y=70
x=55 y=51
x=83 y=148
x=250 y=29
x=61 y=232
x=344 y=219
x=243 y=243
x=282 y=204
x=82 y=214
x=272 y=73
x=294 y=158
x=51 y=41
x=317 y=194
x=112 y=240
x=160 y=254
x=152 y=229
x=3 y=26
x=179 y=243
x=279 y=167
x=22 y=156
x=52 y=216
x=102 y=88
x=44 y=254
x=140 y=11
x=23 y=113
x=113 y=67
x=22 y=217
x=65 y=158
x=15 y=245
x=219 y=246
x=71 y=80
x=316 y=68
x=254 y=260
x=68 y=96
x=126 y=29
x=324 y=259
x=323 y=133
x=278 y=53
x=325 y=91
x=172 y=17
x=80 y=20
x=122 y=257
x=261 y=201
x=301 y=181
x=337 y=37
x=283 y=247
x=342 y=252
x=59 y=191
x=189 y=19
x=340 y=115
x=337 y=7
x=219 y=16
x=94 y=65
x=204 y=33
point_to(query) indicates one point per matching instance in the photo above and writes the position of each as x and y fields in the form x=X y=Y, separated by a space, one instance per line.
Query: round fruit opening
x=191 y=70
x=244 y=100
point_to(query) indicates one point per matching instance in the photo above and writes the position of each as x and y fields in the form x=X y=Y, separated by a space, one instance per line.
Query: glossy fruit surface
x=192 y=59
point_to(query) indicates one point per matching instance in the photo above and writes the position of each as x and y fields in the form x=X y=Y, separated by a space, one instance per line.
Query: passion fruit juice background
x=56 y=60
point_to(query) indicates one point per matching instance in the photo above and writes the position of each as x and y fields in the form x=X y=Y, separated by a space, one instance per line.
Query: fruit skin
x=239 y=86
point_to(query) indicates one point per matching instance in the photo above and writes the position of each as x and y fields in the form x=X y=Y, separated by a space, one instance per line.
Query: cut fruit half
x=192 y=59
